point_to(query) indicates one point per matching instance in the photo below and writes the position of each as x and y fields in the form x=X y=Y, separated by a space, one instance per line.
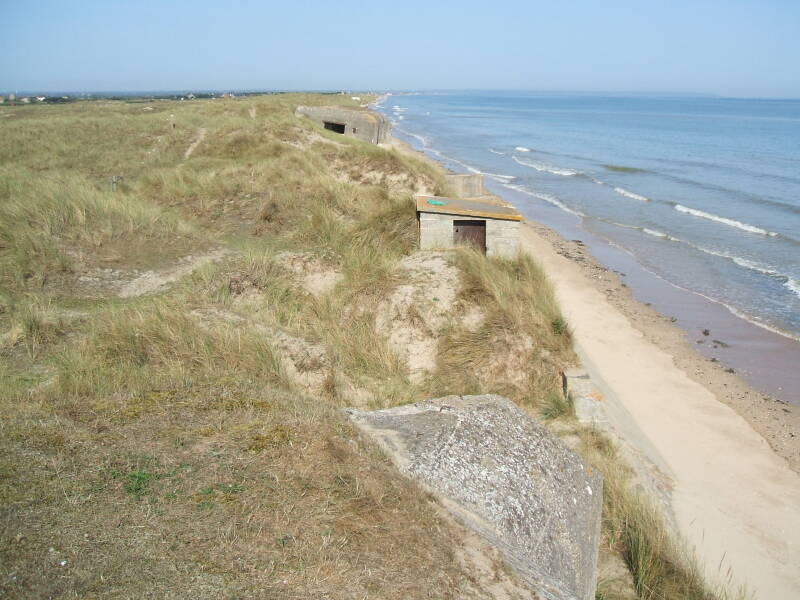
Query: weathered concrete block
x=466 y=185
x=586 y=398
x=507 y=478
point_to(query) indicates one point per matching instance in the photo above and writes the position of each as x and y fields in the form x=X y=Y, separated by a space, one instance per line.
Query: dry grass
x=515 y=351
x=152 y=446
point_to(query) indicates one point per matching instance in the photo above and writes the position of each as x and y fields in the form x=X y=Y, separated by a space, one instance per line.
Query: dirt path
x=735 y=501
x=154 y=281
x=201 y=135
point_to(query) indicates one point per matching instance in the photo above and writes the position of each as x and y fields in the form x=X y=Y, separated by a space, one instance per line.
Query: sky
x=741 y=48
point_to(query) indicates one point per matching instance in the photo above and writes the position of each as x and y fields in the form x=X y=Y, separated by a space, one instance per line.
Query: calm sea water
x=704 y=192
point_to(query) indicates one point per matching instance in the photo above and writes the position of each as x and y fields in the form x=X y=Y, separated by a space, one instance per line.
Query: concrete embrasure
x=505 y=477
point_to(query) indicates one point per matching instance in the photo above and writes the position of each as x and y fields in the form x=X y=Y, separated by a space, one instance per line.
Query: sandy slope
x=735 y=500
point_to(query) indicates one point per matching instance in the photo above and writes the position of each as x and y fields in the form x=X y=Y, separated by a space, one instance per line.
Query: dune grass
x=176 y=435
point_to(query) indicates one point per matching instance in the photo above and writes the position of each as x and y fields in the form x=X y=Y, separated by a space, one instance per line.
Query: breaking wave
x=522 y=149
x=787 y=281
x=422 y=139
x=730 y=222
x=793 y=285
x=546 y=197
x=631 y=195
x=546 y=168
x=659 y=234
x=497 y=152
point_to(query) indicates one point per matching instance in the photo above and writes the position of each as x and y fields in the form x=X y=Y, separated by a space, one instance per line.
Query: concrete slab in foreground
x=505 y=477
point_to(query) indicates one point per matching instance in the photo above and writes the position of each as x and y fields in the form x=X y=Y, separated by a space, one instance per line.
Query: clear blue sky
x=728 y=47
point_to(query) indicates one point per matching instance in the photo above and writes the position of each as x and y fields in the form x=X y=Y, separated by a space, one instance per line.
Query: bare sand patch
x=316 y=278
x=415 y=312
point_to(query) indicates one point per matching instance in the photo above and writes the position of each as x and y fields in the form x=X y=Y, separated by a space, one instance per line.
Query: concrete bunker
x=353 y=122
x=466 y=185
x=448 y=222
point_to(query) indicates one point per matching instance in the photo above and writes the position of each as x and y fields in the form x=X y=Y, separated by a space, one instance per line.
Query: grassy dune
x=185 y=442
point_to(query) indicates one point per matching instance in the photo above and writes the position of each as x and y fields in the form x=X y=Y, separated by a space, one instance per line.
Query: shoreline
x=777 y=421
x=730 y=452
x=762 y=352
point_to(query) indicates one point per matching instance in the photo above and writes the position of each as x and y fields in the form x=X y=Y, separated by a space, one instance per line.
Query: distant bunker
x=357 y=123
x=449 y=222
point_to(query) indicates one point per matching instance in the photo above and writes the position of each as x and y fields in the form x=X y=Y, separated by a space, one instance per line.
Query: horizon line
x=187 y=90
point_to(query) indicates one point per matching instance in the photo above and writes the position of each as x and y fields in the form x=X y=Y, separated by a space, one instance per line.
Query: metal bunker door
x=470 y=232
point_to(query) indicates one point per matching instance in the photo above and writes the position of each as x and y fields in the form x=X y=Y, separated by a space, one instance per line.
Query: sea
x=696 y=198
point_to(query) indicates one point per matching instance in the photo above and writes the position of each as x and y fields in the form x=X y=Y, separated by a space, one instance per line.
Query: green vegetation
x=189 y=428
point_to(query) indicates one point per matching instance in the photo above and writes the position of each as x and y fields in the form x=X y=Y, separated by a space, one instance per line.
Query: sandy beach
x=729 y=452
x=735 y=499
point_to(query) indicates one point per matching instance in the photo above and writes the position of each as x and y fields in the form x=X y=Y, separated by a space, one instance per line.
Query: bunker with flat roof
x=354 y=122
x=447 y=222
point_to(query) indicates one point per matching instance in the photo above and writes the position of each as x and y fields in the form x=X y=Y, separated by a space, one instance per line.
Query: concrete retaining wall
x=436 y=231
x=360 y=124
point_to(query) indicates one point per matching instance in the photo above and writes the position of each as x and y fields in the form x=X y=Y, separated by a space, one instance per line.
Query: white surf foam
x=422 y=139
x=654 y=233
x=496 y=176
x=793 y=285
x=788 y=282
x=497 y=152
x=752 y=320
x=732 y=309
x=546 y=197
x=546 y=168
x=730 y=222
x=522 y=149
x=631 y=195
